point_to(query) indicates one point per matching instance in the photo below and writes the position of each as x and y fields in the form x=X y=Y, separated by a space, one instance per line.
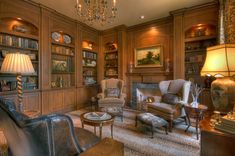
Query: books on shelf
x=226 y=125
x=89 y=55
x=62 y=50
x=20 y=42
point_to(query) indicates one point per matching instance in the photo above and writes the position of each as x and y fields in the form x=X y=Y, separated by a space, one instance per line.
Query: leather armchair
x=113 y=105
x=49 y=135
x=171 y=90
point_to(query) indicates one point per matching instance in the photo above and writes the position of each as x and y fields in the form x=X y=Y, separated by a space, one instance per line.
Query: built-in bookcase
x=197 y=39
x=62 y=61
x=22 y=37
x=111 y=60
x=89 y=63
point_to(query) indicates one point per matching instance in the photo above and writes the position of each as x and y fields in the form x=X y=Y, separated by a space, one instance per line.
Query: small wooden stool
x=152 y=120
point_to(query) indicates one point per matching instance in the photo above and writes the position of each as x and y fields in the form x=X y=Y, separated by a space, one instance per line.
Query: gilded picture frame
x=151 y=56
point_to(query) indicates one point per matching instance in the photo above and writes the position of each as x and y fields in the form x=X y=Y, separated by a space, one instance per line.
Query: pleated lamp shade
x=17 y=63
x=220 y=61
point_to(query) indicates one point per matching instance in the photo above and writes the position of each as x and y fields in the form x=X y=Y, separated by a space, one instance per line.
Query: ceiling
x=129 y=11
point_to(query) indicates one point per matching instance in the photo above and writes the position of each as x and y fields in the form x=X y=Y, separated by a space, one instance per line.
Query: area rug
x=138 y=141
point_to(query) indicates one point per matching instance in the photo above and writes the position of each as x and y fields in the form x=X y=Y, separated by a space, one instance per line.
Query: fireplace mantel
x=150 y=74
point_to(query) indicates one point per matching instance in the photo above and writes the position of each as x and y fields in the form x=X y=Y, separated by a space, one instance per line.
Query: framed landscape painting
x=149 y=56
x=59 y=66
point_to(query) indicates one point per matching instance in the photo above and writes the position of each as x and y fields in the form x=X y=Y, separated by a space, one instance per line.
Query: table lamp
x=19 y=64
x=220 y=62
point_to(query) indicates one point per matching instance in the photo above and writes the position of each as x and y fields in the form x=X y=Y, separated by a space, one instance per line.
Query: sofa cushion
x=176 y=86
x=112 y=92
x=170 y=98
x=86 y=139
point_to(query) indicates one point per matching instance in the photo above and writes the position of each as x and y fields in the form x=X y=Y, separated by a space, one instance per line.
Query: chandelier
x=99 y=11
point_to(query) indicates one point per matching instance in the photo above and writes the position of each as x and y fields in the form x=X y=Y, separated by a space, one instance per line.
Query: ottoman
x=152 y=121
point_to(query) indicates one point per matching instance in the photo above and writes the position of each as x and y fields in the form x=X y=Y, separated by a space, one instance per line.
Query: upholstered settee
x=175 y=94
x=48 y=135
x=112 y=98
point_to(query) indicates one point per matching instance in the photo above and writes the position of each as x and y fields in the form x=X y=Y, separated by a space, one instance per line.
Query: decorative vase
x=223 y=94
x=195 y=101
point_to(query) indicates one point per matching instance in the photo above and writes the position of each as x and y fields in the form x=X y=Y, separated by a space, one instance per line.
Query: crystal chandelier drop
x=99 y=11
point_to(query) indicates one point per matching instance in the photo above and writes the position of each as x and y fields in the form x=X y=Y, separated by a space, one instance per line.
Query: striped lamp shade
x=17 y=63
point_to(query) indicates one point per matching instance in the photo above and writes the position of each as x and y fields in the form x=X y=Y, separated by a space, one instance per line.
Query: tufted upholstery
x=47 y=135
x=107 y=103
x=169 y=112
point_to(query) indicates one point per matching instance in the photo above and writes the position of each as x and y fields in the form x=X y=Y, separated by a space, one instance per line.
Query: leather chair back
x=48 y=135
x=19 y=139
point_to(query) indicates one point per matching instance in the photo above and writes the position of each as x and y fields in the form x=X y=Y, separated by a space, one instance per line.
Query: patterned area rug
x=138 y=141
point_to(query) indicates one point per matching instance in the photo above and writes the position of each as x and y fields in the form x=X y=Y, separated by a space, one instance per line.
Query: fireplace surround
x=143 y=91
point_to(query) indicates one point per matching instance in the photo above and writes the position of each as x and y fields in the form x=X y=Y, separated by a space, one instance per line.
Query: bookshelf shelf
x=63 y=63
x=89 y=62
x=111 y=60
x=27 y=43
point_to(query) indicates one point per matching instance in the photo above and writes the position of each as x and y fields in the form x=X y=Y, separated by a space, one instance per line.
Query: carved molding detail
x=229 y=21
x=221 y=31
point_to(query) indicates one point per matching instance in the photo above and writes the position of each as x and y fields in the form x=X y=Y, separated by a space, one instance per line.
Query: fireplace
x=143 y=91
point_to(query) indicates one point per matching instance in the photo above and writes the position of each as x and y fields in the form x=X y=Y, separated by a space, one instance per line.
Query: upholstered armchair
x=175 y=94
x=49 y=135
x=112 y=99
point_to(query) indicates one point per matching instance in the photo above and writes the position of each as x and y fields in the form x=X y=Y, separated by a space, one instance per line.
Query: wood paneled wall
x=183 y=20
x=48 y=100
x=158 y=32
x=167 y=32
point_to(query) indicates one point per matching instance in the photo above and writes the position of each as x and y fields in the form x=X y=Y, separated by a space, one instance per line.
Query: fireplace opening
x=144 y=92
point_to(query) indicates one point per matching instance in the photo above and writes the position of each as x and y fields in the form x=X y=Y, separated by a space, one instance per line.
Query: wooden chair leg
x=185 y=120
x=152 y=129
x=136 y=121
x=122 y=115
x=166 y=129
x=170 y=125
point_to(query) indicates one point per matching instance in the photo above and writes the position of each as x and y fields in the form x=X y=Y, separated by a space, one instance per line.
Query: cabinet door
x=56 y=101
x=69 y=100
x=31 y=101
x=52 y=101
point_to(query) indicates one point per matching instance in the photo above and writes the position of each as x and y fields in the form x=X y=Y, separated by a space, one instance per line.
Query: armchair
x=112 y=99
x=175 y=95
x=49 y=135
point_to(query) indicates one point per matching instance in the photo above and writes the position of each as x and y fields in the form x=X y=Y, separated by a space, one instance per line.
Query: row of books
x=18 y=42
x=89 y=55
x=62 y=50
x=226 y=125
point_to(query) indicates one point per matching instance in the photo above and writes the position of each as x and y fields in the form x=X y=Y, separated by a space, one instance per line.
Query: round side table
x=97 y=122
x=196 y=113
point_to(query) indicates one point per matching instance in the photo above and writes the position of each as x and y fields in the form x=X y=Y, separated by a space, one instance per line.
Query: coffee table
x=103 y=118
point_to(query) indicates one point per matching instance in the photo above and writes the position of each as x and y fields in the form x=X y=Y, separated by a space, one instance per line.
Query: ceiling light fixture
x=99 y=11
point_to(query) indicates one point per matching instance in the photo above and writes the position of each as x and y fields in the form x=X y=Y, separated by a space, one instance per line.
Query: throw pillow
x=112 y=92
x=170 y=98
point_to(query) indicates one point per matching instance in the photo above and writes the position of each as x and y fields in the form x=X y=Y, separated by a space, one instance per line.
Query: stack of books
x=227 y=125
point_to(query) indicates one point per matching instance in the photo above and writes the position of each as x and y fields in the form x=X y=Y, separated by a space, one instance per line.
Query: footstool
x=151 y=120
